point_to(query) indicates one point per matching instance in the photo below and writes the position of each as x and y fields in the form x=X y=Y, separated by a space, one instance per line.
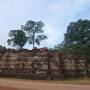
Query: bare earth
x=15 y=84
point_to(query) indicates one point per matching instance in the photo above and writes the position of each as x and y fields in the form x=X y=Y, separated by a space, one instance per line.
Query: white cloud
x=52 y=35
x=68 y=8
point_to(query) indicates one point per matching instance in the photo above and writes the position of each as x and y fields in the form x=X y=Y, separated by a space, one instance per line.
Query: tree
x=34 y=31
x=2 y=49
x=17 y=38
x=78 y=32
x=78 y=35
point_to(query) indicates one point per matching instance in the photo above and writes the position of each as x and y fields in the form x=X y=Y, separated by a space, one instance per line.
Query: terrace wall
x=43 y=64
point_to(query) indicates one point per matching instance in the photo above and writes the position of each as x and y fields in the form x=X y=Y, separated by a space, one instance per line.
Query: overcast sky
x=56 y=15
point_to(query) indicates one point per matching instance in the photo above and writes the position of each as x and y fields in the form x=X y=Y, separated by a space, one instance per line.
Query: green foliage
x=63 y=47
x=50 y=49
x=78 y=33
x=34 y=31
x=77 y=39
x=78 y=36
x=17 y=38
x=2 y=49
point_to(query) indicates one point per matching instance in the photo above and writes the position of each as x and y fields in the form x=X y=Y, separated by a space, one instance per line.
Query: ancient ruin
x=42 y=64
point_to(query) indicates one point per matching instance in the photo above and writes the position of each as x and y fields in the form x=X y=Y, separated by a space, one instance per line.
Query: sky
x=55 y=14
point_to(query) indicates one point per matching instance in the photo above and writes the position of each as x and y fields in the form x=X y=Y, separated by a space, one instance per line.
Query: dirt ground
x=8 y=88
x=15 y=84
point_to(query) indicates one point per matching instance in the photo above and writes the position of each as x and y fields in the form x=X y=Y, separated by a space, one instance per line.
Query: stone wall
x=42 y=64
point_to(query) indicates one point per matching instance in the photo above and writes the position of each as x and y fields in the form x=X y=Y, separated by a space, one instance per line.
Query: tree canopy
x=17 y=38
x=2 y=49
x=34 y=32
x=77 y=38
x=78 y=32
